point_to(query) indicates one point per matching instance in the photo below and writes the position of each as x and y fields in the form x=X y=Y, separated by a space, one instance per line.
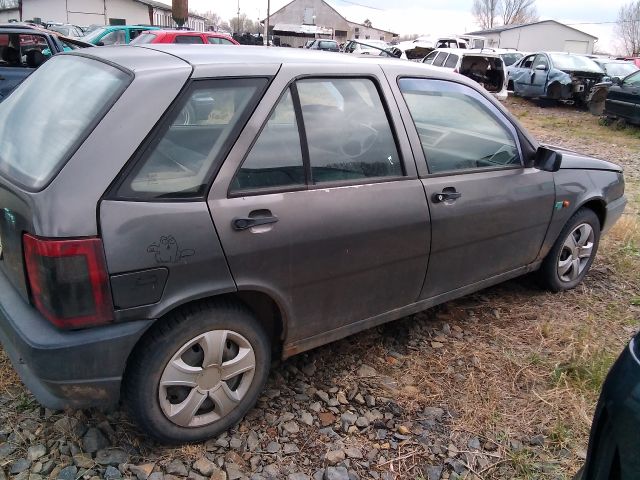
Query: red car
x=184 y=37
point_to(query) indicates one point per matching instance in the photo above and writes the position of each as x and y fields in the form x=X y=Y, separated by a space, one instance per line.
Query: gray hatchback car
x=173 y=217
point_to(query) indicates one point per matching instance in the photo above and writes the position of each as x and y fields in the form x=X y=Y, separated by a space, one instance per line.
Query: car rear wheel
x=573 y=253
x=198 y=373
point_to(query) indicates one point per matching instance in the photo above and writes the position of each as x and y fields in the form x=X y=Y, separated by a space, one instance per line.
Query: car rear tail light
x=69 y=280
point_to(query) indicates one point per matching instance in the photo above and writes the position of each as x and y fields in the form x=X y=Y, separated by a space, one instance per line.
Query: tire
x=168 y=390
x=566 y=265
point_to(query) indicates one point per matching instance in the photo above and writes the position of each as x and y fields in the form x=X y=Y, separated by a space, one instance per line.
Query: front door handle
x=244 y=223
x=444 y=196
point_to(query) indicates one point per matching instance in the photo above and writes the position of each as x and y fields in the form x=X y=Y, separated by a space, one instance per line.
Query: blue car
x=23 y=48
x=554 y=76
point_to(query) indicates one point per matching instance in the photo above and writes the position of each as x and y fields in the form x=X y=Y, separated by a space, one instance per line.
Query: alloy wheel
x=576 y=252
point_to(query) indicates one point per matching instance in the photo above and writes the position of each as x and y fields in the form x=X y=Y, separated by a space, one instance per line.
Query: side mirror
x=616 y=81
x=100 y=44
x=547 y=160
x=542 y=68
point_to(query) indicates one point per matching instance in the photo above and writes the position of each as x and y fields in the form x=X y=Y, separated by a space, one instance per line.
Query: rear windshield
x=143 y=38
x=46 y=119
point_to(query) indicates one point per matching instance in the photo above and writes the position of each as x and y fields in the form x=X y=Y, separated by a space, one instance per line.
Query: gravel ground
x=470 y=389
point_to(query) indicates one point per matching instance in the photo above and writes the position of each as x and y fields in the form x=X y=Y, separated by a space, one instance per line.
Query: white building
x=546 y=35
x=104 y=12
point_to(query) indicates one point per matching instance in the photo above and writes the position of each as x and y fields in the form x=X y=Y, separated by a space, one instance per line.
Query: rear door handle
x=444 y=196
x=244 y=223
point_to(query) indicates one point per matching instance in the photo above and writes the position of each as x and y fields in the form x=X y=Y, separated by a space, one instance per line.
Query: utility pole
x=238 y=23
x=266 y=24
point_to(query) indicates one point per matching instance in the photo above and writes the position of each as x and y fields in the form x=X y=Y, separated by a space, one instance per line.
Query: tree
x=517 y=12
x=367 y=23
x=491 y=13
x=485 y=12
x=246 y=25
x=213 y=19
x=628 y=27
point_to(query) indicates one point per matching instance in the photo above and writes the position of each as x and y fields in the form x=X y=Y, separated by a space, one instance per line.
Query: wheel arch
x=598 y=206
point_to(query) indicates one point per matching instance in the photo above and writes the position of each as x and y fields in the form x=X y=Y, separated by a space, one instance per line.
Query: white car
x=367 y=47
x=484 y=67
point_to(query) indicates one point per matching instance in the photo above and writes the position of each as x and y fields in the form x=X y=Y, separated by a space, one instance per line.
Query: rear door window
x=117 y=37
x=188 y=39
x=275 y=160
x=47 y=118
x=429 y=58
x=21 y=50
x=195 y=137
x=347 y=130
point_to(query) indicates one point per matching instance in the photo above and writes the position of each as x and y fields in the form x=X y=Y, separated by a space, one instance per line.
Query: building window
x=367 y=37
x=117 y=21
x=357 y=29
x=309 y=16
x=382 y=37
x=357 y=36
x=341 y=33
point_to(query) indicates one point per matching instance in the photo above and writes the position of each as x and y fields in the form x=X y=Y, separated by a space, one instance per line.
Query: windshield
x=574 y=62
x=94 y=35
x=620 y=69
x=373 y=45
x=47 y=117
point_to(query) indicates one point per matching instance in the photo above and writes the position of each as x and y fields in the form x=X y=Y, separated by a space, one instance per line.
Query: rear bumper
x=65 y=369
x=614 y=212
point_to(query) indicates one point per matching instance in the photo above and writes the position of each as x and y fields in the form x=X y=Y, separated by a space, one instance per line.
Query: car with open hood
x=555 y=76
x=165 y=259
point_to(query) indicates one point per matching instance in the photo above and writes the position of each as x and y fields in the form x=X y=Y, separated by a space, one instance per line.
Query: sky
x=438 y=17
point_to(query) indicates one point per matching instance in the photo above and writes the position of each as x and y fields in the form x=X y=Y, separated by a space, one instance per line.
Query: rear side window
x=224 y=41
x=188 y=39
x=452 y=61
x=439 y=60
x=457 y=128
x=195 y=137
x=429 y=58
x=47 y=118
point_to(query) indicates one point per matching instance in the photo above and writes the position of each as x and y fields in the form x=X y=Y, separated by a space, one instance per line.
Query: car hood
x=576 y=161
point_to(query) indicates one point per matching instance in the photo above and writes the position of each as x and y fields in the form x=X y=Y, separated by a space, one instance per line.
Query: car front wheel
x=573 y=253
x=198 y=373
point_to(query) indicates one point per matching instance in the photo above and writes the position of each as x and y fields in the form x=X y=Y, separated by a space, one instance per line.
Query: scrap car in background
x=555 y=76
x=116 y=34
x=623 y=99
x=183 y=37
x=367 y=47
x=324 y=45
x=483 y=67
x=616 y=68
x=23 y=48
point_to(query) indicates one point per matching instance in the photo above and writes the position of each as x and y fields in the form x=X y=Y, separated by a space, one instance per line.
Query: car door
x=623 y=100
x=539 y=75
x=489 y=214
x=319 y=204
x=521 y=75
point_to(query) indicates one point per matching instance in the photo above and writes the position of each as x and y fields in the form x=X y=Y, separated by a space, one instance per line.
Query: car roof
x=466 y=51
x=155 y=56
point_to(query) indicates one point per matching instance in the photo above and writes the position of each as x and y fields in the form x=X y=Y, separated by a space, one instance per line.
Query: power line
x=361 y=5
x=604 y=23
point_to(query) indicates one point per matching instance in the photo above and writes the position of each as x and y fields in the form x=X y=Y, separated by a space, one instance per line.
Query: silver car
x=174 y=218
